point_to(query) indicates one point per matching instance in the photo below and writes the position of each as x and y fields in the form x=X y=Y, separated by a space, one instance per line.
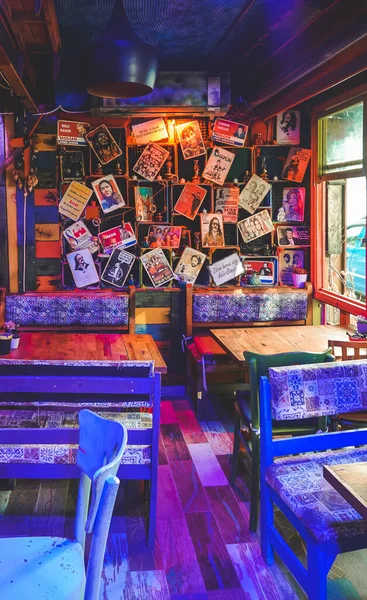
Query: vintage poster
x=288 y=259
x=218 y=165
x=190 y=265
x=44 y=142
x=118 y=267
x=229 y=132
x=212 y=231
x=145 y=206
x=74 y=200
x=72 y=133
x=151 y=161
x=258 y=270
x=191 y=141
x=154 y=130
x=226 y=269
x=190 y=200
x=293 y=205
x=253 y=193
x=82 y=268
x=288 y=127
x=157 y=267
x=108 y=193
x=226 y=203
x=103 y=144
x=72 y=166
x=164 y=236
x=122 y=236
x=293 y=236
x=255 y=226
x=79 y=237
x=296 y=164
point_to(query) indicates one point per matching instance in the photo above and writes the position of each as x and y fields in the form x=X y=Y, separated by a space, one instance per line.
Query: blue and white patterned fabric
x=315 y=390
x=79 y=309
x=239 y=307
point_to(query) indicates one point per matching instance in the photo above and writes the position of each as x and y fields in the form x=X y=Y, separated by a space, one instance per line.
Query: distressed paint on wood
x=189 y=487
x=207 y=465
x=231 y=521
x=174 y=442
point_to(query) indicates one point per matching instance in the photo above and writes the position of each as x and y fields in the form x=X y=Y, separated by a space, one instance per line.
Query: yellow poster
x=74 y=200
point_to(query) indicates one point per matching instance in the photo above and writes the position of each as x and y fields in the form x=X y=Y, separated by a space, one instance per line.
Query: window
x=340 y=206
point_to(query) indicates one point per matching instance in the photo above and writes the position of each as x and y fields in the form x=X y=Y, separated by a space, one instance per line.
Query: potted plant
x=12 y=328
x=362 y=325
x=299 y=277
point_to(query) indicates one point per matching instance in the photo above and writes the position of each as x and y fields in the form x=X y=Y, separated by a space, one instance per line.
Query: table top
x=350 y=481
x=51 y=346
x=272 y=340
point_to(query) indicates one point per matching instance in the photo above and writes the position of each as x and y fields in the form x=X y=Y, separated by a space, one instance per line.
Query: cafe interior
x=183 y=318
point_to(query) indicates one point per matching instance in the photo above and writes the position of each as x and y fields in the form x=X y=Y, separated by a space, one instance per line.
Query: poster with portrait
x=259 y=271
x=151 y=161
x=154 y=130
x=293 y=236
x=72 y=166
x=288 y=127
x=218 y=165
x=82 y=268
x=145 y=207
x=190 y=265
x=79 y=237
x=253 y=193
x=72 y=133
x=293 y=205
x=255 y=226
x=157 y=267
x=212 y=230
x=190 y=200
x=191 y=140
x=122 y=236
x=296 y=164
x=108 y=193
x=226 y=269
x=118 y=267
x=229 y=132
x=288 y=259
x=226 y=203
x=103 y=144
x=74 y=200
x=164 y=236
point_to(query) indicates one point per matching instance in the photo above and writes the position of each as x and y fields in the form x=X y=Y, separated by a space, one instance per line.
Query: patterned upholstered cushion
x=299 y=481
x=319 y=389
x=237 y=307
x=78 y=309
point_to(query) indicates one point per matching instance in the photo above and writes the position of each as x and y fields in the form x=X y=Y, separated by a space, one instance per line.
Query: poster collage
x=167 y=253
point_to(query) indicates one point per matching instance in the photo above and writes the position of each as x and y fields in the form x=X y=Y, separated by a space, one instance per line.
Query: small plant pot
x=5 y=342
x=362 y=327
x=14 y=343
x=299 y=279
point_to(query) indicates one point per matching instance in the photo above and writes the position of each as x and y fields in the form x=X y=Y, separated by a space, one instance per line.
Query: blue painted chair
x=327 y=523
x=49 y=567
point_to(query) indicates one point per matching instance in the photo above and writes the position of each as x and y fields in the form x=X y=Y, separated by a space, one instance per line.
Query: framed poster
x=288 y=259
x=190 y=200
x=157 y=267
x=218 y=165
x=212 y=231
x=103 y=144
x=296 y=164
x=289 y=127
x=118 y=267
x=253 y=193
x=72 y=166
x=164 y=236
x=82 y=268
x=226 y=203
x=122 y=236
x=72 y=133
x=293 y=205
x=259 y=270
x=229 y=132
x=144 y=203
x=293 y=236
x=190 y=265
x=108 y=193
x=190 y=139
x=255 y=226
x=154 y=130
x=79 y=237
x=151 y=161
x=74 y=200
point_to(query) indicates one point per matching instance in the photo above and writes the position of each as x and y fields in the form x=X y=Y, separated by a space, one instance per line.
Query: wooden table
x=351 y=482
x=87 y=346
x=272 y=340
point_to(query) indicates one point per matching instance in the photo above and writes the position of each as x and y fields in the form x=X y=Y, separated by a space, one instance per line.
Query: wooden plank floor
x=204 y=549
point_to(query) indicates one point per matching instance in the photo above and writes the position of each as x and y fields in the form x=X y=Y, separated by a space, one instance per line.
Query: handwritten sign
x=150 y=131
x=74 y=200
x=226 y=269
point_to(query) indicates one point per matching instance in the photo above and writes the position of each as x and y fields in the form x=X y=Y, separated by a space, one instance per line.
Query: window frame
x=318 y=198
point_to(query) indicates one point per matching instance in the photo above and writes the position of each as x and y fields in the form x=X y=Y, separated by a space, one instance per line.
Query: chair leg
x=255 y=481
x=267 y=522
x=236 y=448
x=319 y=563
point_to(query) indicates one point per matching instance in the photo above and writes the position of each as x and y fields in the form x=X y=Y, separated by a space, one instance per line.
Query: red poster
x=71 y=133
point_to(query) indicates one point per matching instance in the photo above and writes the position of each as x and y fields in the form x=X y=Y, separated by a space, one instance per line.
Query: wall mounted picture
x=212 y=231
x=218 y=165
x=259 y=271
x=74 y=200
x=226 y=269
x=288 y=127
x=226 y=203
x=293 y=236
x=154 y=130
x=118 y=267
x=72 y=166
x=255 y=226
x=108 y=193
x=79 y=237
x=296 y=164
x=253 y=193
x=82 y=268
x=103 y=144
x=287 y=260
x=72 y=133
x=190 y=200
x=157 y=267
x=190 y=265
x=44 y=142
x=293 y=205
x=145 y=206
x=229 y=132
x=151 y=161
x=122 y=236
x=164 y=236
x=190 y=139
